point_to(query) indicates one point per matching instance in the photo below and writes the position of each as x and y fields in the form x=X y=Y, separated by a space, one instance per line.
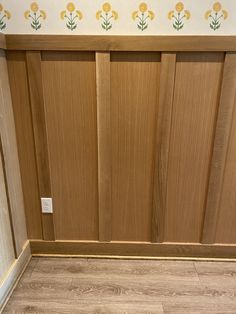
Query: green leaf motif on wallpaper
x=35 y=15
x=142 y=16
x=4 y=16
x=106 y=15
x=71 y=16
x=216 y=15
x=178 y=16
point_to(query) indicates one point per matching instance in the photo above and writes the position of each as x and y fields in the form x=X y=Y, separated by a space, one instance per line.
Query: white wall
x=124 y=24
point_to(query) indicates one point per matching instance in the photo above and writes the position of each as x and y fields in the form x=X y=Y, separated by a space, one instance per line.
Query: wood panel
x=104 y=144
x=219 y=164
x=134 y=99
x=167 y=79
x=135 y=249
x=196 y=96
x=7 y=252
x=120 y=43
x=2 y=41
x=40 y=138
x=9 y=145
x=25 y=139
x=72 y=142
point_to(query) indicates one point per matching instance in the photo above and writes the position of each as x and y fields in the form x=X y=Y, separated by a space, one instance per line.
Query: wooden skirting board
x=169 y=250
x=118 y=43
x=9 y=281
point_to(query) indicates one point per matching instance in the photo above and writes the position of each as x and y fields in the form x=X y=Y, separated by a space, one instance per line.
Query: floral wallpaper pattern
x=118 y=17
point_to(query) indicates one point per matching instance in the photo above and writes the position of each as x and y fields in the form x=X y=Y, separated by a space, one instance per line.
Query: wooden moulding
x=120 y=43
x=2 y=41
x=132 y=249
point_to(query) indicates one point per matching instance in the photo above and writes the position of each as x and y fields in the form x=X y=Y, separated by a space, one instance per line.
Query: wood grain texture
x=2 y=41
x=10 y=153
x=40 y=137
x=225 y=230
x=167 y=79
x=220 y=150
x=25 y=139
x=72 y=142
x=121 y=43
x=138 y=249
x=66 y=285
x=7 y=252
x=104 y=144
x=196 y=97
x=134 y=98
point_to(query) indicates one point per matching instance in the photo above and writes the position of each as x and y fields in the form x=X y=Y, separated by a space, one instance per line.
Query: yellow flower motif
x=8 y=14
x=115 y=15
x=179 y=7
x=27 y=13
x=207 y=14
x=34 y=7
x=134 y=15
x=143 y=7
x=106 y=7
x=43 y=14
x=1 y=7
x=70 y=7
x=225 y=14
x=171 y=14
x=187 y=14
x=151 y=15
x=217 y=6
x=79 y=14
x=63 y=14
x=98 y=15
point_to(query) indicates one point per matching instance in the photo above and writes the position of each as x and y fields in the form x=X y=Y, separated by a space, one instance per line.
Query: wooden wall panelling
x=220 y=165
x=2 y=41
x=71 y=116
x=25 y=139
x=225 y=224
x=120 y=43
x=104 y=144
x=40 y=137
x=167 y=79
x=134 y=100
x=7 y=245
x=7 y=131
x=196 y=96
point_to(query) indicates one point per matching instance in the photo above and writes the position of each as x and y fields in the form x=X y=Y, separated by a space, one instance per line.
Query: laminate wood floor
x=72 y=285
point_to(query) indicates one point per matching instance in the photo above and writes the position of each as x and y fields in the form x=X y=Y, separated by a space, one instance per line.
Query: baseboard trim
x=13 y=275
x=132 y=250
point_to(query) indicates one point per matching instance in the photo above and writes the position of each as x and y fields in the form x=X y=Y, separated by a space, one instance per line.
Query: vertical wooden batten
x=220 y=148
x=167 y=80
x=104 y=144
x=40 y=137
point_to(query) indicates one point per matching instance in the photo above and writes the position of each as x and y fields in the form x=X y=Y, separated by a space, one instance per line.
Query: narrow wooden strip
x=2 y=41
x=40 y=137
x=167 y=78
x=8 y=198
x=104 y=144
x=121 y=43
x=222 y=136
x=133 y=249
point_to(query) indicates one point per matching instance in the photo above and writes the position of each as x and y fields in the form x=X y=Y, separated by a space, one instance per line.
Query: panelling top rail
x=118 y=43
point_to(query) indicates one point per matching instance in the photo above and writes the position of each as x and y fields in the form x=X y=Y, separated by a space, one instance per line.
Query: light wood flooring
x=72 y=285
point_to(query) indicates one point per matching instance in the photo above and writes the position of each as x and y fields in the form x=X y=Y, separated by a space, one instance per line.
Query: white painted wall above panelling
x=118 y=17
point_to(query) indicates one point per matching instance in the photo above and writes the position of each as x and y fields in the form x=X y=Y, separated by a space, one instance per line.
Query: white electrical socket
x=46 y=204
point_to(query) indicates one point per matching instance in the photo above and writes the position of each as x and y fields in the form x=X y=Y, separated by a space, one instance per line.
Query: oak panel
x=120 y=43
x=25 y=139
x=70 y=105
x=219 y=158
x=134 y=99
x=33 y=59
x=196 y=97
